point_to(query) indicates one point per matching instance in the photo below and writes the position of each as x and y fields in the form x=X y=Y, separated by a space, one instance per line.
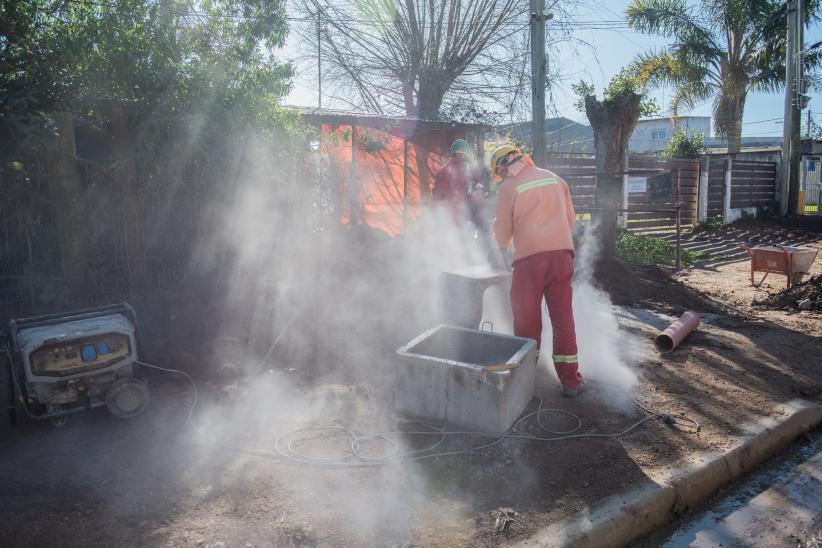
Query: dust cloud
x=308 y=317
x=605 y=352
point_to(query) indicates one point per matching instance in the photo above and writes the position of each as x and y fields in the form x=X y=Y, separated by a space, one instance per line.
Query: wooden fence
x=663 y=190
x=753 y=183
x=678 y=183
x=716 y=187
x=580 y=174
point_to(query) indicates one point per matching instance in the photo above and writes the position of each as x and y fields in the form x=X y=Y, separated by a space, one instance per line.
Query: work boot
x=569 y=378
x=573 y=392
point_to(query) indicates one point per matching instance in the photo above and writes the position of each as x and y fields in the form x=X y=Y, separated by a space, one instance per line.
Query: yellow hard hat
x=499 y=153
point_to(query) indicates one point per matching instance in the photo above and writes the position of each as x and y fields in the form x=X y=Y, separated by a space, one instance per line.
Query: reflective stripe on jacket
x=534 y=212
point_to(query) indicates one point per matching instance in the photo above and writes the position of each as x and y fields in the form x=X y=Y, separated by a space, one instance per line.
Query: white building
x=654 y=134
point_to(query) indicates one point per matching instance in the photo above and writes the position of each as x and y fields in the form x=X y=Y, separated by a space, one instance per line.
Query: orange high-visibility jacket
x=535 y=212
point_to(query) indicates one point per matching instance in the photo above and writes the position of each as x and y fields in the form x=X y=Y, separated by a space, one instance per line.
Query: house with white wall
x=650 y=135
x=654 y=134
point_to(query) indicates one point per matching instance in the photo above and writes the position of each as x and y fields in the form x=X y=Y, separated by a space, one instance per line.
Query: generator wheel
x=127 y=398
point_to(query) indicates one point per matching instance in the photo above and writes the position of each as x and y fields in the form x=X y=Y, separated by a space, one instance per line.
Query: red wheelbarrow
x=793 y=262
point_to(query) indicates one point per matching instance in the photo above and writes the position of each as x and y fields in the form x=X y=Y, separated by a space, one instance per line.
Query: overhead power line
x=592 y=24
x=763 y=121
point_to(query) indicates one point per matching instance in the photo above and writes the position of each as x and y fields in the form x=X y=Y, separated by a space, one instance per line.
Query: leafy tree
x=683 y=145
x=178 y=94
x=613 y=119
x=720 y=49
x=162 y=60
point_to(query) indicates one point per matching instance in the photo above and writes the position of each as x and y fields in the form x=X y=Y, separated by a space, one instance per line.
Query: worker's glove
x=499 y=258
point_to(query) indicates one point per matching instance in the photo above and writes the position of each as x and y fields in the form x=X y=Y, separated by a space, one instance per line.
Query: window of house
x=659 y=135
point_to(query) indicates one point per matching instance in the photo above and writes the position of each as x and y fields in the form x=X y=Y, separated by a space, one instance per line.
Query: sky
x=607 y=51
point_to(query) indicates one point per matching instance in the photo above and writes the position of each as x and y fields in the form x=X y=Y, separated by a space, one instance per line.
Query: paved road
x=786 y=513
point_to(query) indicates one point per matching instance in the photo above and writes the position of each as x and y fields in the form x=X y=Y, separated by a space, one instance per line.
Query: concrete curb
x=623 y=518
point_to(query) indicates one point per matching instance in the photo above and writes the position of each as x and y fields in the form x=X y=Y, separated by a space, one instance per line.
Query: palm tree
x=720 y=49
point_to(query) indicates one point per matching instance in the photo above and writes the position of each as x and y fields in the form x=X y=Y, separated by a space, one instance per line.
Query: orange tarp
x=387 y=192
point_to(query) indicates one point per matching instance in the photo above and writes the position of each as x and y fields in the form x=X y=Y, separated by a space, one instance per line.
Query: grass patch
x=645 y=250
x=711 y=225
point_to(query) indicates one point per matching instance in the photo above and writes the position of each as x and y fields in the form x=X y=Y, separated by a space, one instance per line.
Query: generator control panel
x=66 y=358
x=51 y=350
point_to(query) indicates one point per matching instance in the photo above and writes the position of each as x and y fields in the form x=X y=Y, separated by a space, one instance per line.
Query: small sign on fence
x=637 y=184
x=661 y=186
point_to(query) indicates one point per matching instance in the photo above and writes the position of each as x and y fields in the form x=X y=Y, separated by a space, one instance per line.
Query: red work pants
x=548 y=275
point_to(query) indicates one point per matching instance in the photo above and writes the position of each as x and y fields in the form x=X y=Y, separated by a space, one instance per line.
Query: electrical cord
x=190 y=380
x=287 y=446
x=288 y=452
x=358 y=436
x=672 y=419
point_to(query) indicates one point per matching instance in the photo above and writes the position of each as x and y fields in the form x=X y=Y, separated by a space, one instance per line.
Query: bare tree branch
x=417 y=56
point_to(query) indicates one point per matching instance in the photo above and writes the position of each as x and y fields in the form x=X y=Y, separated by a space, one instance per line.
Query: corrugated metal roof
x=724 y=150
x=671 y=118
x=347 y=117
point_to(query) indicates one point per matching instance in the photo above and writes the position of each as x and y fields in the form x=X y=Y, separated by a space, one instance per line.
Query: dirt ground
x=726 y=279
x=159 y=480
x=736 y=292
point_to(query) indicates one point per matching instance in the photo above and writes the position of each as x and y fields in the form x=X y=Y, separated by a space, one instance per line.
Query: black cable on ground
x=287 y=446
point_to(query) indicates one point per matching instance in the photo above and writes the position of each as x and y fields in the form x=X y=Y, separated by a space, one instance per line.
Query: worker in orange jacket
x=534 y=213
x=452 y=183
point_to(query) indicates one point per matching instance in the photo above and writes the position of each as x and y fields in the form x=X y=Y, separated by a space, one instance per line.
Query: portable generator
x=62 y=363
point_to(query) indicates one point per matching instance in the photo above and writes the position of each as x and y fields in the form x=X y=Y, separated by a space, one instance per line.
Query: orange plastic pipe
x=676 y=332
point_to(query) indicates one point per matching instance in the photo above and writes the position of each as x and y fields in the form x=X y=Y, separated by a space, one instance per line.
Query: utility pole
x=538 y=63
x=798 y=105
x=319 y=61
x=795 y=101
x=787 y=127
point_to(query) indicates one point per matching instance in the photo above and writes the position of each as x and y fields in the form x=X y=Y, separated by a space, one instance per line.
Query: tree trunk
x=421 y=161
x=66 y=193
x=132 y=218
x=735 y=134
x=613 y=121
x=428 y=104
x=736 y=108
x=408 y=98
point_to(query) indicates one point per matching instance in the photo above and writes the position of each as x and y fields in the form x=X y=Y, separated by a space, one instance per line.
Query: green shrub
x=768 y=211
x=712 y=225
x=684 y=146
x=647 y=250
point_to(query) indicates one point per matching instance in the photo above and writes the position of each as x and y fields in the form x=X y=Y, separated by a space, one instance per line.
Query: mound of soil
x=790 y=298
x=651 y=287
